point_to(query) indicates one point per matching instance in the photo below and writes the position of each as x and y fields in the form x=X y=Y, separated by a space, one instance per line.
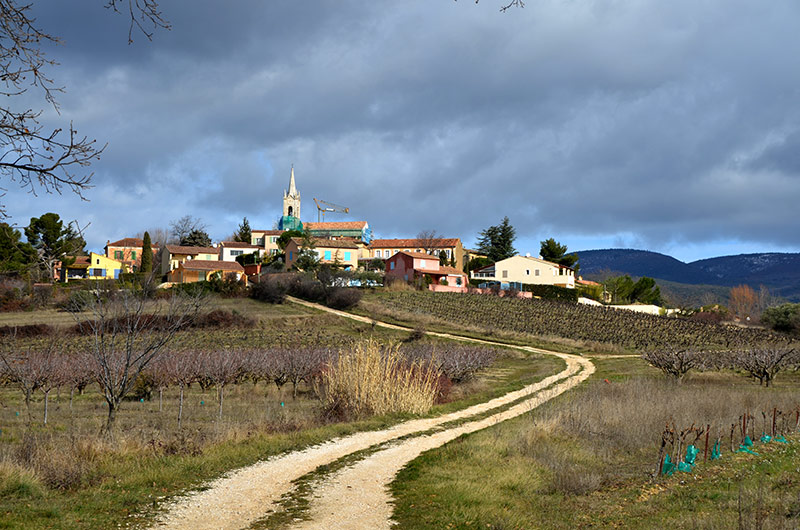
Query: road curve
x=243 y=496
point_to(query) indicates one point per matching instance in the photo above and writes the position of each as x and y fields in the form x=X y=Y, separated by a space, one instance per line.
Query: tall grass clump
x=372 y=378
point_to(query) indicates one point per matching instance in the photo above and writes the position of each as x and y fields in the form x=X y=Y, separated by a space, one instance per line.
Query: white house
x=527 y=269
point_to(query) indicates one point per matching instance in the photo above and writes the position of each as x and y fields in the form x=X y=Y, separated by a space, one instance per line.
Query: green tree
x=15 y=255
x=620 y=288
x=53 y=241
x=196 y=238
x=785 y=317
x=244 y=234
x=646 y=291
x=284 y=238
x=443 y=261
x=497 y=242
x=146 y=265
x=554 y=252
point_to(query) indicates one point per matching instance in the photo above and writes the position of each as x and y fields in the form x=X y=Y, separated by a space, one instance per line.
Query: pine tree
x=244 y=234
x=497 y=242
x=147 y=254
x=554 y=252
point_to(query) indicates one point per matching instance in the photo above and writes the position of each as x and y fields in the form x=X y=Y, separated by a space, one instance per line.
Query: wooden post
x=774 y=416
x=705 y=453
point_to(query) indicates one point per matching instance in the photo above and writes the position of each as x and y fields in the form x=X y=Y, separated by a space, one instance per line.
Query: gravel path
x=243 y=496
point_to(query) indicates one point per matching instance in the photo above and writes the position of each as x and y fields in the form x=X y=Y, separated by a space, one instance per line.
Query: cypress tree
x=147 y=254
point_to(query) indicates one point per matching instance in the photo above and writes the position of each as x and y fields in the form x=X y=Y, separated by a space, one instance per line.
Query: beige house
x=386 y=248
x=341 y=251
x=230 y=250
x=194 y=270
x=527 y=269
x=266 y=239
x=170 y=256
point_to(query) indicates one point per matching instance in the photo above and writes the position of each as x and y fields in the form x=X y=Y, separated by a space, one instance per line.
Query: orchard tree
x=146 y=265
x=497 y=242
x=744 y=303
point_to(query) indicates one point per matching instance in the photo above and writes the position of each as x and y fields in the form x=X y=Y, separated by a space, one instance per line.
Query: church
x=290 y=220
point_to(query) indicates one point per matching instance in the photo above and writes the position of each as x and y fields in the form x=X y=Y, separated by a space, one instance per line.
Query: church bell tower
x=291 y=207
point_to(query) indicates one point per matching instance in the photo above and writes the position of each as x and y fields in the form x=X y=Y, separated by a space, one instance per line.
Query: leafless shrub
x=221 y=367
x=33 y=370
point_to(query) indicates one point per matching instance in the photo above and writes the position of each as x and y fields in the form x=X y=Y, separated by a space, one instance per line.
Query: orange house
x=128 y=251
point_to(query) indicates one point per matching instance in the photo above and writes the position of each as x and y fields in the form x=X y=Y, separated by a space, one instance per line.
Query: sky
x=665 y=126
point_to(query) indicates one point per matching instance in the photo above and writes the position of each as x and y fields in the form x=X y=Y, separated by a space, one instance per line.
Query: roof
x=538 y=260
x=586 y=282
x=268 y=232
x=237 y=244
x=328 y=243
x=208 y=265
x=415 y=243
x=343 y=225
x=452 y=270
x=417 y=255
x=177 y=249
x=130 y=242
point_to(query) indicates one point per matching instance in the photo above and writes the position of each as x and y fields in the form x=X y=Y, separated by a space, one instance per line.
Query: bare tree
x=221 y=367
x=29 y=370
x=765 y=361
x=674 y=361
x=35 y=158
x=744 y=303
x=181 y=228
x=129 y=333
x=429 y=241
x=179 y=368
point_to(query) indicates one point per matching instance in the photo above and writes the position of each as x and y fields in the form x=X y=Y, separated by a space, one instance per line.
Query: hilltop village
x=441 y=263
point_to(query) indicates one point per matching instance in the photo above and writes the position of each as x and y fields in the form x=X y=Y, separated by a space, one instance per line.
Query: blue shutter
x=291 y=254
x=328 y=255
x=116 y=274
x=347 y=256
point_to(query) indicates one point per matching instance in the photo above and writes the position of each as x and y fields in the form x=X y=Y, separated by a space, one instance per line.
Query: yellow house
x=95 y=267
x=266 y=239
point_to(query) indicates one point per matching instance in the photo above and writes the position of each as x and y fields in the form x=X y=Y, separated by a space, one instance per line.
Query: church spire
x=292 y=188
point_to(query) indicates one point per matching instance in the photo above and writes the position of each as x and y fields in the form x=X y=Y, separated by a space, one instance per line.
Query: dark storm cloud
x=650 y=121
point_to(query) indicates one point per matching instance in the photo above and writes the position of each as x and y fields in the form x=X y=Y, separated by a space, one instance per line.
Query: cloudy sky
x=669 y=126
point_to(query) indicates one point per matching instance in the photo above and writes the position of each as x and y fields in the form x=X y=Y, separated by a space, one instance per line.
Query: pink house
x=408 y=266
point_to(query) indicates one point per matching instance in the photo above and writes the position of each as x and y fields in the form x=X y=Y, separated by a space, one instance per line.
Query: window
x=273 y=252
x=505 y=274
x=97 y=261
x=458 y=281
x=527 y=272
x=449 y=253
x=560 y=271
x=536 y=272
x=391 y=266
x=291 y=255
x=377 y=253
x=273 y=239
x=117 y=254
x=258 y=241
x=237 y=252
x=347 y=256
x=328 y=255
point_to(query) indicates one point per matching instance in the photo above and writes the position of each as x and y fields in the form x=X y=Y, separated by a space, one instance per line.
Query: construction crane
x=328 y=207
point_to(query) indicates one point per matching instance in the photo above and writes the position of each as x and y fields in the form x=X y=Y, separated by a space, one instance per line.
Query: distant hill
x=780 y=272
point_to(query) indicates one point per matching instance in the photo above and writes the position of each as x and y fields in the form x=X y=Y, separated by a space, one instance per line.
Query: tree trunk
x=46 y=400
x=113 y=407
x=71 y=395
x=221 y=396
x=160 y=399
x=28 y=405
x=180 y=407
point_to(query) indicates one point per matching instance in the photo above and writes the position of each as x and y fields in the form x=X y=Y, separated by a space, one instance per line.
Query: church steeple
x=291 y=206
x=292 y=188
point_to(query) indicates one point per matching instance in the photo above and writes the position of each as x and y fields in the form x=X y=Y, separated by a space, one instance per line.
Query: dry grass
x=376 y=379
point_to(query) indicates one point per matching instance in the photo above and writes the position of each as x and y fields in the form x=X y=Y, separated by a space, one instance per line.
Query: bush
x=343 y=298
x=78 y=301
x=552 y=292
x=785 y=317
x=375 y=379
x=30 y=330
x=269 y=289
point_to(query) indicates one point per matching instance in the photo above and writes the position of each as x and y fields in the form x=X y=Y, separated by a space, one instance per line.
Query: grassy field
x=63 y=475
x=586 y=459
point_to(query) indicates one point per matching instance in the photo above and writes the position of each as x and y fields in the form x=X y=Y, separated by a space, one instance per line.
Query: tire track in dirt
x=243 y=496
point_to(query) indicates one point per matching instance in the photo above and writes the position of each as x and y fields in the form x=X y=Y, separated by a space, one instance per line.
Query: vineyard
x=543 y=318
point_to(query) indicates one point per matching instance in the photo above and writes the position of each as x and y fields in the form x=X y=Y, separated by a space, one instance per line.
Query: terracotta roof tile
x=414 y=243
x=130 y=242
x=329 y=243
x=267 y=232
x=177 y=249
x=237 y=244
x=206 y=265
x=343 y=225
x=418 y=255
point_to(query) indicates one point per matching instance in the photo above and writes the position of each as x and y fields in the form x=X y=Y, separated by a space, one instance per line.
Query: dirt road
x=355 y=497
